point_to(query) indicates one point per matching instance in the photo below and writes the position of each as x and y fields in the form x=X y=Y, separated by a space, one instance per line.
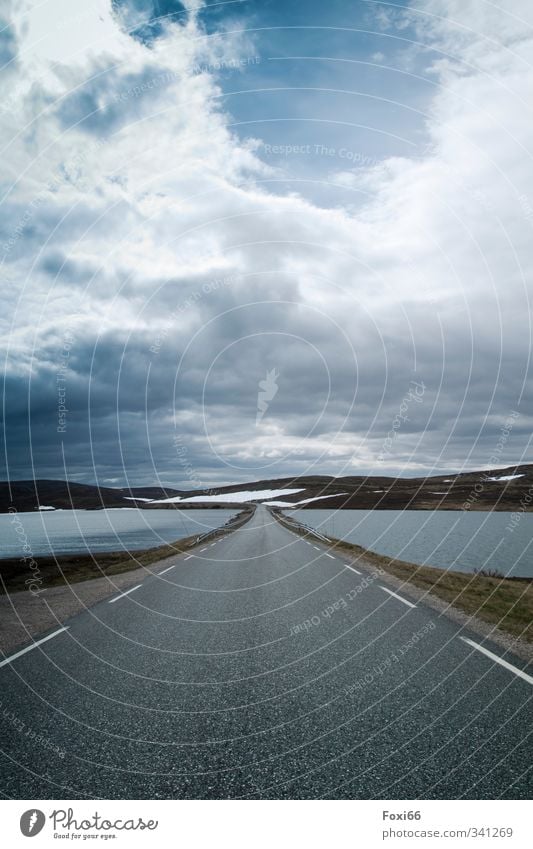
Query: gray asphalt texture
x=206 y=683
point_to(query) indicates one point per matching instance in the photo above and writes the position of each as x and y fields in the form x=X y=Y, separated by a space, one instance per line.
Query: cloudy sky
x=262 y=238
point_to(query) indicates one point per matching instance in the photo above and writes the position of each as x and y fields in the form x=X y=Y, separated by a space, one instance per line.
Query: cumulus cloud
x=155 y=268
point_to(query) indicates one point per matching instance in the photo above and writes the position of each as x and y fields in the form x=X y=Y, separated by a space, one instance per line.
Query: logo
x=32 y=822
x=267 y=390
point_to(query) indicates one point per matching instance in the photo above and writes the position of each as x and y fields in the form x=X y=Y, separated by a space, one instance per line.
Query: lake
x=76 y=531
x=449 y=539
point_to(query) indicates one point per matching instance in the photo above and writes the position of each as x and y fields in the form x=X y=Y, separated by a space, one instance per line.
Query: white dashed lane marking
x=399 y=597
x=33 y=646
x=168 y=569
x=500 y=660
x=112 y=600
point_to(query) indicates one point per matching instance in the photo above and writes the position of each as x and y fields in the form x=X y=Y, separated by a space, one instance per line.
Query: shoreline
x=500 y=609
x=78 y=582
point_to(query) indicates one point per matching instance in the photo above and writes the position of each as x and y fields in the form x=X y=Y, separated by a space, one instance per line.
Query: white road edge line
x=499 y=660
x=330 y=556
x=112 y=600
x=33 y=645
x=352 y=568
x=399 y=597
x=168 y=569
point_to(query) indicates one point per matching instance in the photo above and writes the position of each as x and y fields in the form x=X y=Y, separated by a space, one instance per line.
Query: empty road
x=263 y=666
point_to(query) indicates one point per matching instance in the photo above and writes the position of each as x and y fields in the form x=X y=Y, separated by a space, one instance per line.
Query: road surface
x=264 y=667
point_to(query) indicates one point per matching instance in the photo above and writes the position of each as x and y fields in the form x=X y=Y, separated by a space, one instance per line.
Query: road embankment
x=65 y=585
x=493 y=606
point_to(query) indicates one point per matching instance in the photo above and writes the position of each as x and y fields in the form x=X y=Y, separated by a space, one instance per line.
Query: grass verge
x=73 y=568
x=16 y=574
x=506 y=603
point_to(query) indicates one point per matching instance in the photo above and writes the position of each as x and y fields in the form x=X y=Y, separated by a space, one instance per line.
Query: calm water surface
x=446 y=538
x=75 y=531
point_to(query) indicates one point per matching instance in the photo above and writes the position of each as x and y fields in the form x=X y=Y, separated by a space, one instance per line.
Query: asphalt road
x=263 y=667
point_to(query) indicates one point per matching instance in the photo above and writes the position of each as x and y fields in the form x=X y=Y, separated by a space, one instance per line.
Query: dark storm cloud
x=122 y=398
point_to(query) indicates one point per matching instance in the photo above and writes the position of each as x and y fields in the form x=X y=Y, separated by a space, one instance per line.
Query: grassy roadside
x=506 y=603
x=73 y=568
x=16 y=574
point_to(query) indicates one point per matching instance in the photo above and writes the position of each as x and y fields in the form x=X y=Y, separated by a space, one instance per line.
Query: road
x=262 y=666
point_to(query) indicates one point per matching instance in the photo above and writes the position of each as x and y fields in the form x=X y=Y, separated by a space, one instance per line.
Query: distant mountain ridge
x=494 y=489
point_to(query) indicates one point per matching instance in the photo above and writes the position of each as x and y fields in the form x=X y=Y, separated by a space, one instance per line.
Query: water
x=76 y=531
x=449 y=539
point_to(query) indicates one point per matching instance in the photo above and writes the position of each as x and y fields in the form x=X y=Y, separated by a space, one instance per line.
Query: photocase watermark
x=30 y=733
x=494 y=459
x=34 y=582
x=516 y=516
x=196 y=296
x=161 y=80
x=27 y=216
x=415 y=394
x=66 y=819
x=393 y=658
x=354 y=157
x=340 y=604
x=268 y=389
x=527 y=207
x=61 y=382
x=188 y=469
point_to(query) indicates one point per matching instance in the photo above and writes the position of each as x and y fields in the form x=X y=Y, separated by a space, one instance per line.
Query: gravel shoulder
x=25 y=616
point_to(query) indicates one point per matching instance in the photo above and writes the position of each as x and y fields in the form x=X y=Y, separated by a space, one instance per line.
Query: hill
x=494 y=489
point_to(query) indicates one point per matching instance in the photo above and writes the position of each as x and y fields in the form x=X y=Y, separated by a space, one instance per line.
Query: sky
x=264 y=238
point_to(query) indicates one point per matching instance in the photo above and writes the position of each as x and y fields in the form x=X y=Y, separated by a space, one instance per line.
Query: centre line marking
x=399 y=597
x=317 y=548
x=330 y=556
x=352 y=568
x=189 y=557
x=113 y=600
x=212 y=544
x=203 y=549
x=499 y=660
x=33 y=645
x=169 y=568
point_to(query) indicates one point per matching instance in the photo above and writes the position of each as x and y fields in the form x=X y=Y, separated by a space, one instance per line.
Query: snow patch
x=507 y=477
x=303 y=501
x=242 y=496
